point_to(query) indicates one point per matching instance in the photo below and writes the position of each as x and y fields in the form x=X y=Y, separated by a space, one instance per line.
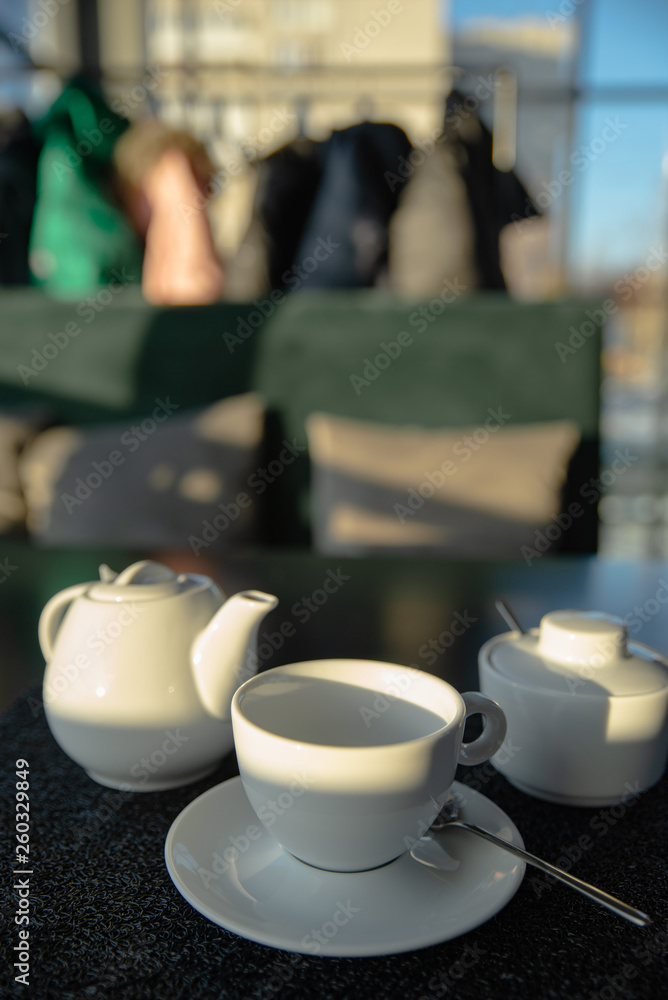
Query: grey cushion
x=481 y=491
x=153 y=482
x=16 y=430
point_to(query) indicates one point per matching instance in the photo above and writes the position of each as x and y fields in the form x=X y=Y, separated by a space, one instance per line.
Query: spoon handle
x=604 y=898
x=509 y=618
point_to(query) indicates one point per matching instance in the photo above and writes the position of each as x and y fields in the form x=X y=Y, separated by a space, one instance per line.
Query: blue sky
x=465 y=10
x=619 y=204
x=628 y=49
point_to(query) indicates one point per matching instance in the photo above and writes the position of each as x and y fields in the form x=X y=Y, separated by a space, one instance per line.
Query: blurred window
x=291 y=52
x=588 y=137
x=313 y=14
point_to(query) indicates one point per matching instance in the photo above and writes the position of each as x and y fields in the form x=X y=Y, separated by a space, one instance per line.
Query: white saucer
x=259 y=891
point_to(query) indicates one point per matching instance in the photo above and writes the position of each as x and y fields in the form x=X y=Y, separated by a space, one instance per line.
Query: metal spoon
x=509 y=618
x=448 y=816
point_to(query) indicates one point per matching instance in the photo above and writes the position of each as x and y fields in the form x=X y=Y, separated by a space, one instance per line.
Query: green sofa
x=359 y=354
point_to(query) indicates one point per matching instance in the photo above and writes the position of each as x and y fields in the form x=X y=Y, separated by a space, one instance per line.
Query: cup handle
x=493 y=734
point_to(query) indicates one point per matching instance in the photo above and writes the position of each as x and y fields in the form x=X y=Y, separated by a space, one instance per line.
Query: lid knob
x=143 y=581
x=582 y=638
x=144 y=572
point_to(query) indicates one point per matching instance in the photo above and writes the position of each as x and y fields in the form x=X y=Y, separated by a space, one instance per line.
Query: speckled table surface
x=106 y=920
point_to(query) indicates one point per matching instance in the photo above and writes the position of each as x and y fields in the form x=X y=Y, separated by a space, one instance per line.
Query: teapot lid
x=581 y=652
x=143 y=581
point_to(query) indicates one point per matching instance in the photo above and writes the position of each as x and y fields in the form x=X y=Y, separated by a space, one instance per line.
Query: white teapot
x=141 y=670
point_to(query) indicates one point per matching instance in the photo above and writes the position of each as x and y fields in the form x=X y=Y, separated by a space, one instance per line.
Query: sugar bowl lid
x=581 y=652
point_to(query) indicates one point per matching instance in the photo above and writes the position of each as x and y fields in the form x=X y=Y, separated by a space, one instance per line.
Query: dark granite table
x=106 y=920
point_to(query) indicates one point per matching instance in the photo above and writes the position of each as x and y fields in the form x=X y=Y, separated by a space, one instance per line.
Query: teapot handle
x=53 y=614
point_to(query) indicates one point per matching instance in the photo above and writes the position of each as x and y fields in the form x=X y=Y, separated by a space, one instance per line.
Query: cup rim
x=257 y=679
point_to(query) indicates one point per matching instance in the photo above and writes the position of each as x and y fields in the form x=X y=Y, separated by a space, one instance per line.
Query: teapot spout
x=223 y=656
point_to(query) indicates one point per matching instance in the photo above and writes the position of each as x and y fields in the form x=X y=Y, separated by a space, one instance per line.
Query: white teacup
x=348 y=762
